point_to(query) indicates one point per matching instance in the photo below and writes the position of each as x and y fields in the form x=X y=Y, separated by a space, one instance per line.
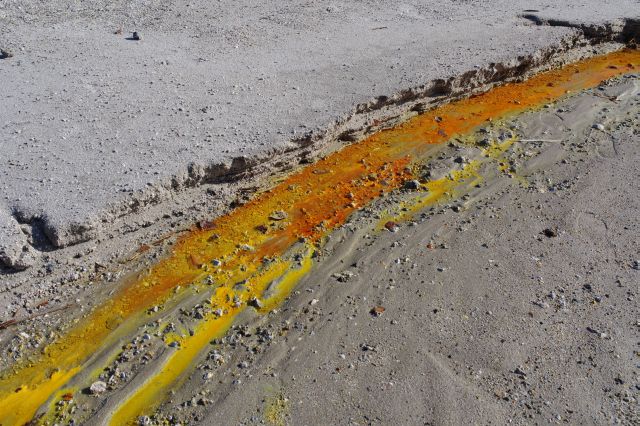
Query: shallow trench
x=252 y=257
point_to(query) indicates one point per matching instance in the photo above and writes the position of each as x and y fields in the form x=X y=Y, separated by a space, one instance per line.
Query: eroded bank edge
x=359 y=122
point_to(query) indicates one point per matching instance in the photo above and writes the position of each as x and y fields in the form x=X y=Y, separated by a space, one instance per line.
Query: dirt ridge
x=362 y=120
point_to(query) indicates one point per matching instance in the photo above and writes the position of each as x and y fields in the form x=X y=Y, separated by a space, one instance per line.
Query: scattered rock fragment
x=598 y=126
x=376 y=311
x=541 y=304
x=5 y=54
x=485 y=142
x=599 y=333
x=97 y=388
x=278 y=215
x=343 y=276
x=412 y=185
x=367 y=348
x=136 y=36
x=550 y=232
x=391 y=226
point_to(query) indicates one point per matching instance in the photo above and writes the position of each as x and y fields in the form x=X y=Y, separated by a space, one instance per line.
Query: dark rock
x=412 y=185
x=255 y=302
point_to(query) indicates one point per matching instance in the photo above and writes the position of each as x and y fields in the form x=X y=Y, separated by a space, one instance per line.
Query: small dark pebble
x=255 y=302
x=519 y=371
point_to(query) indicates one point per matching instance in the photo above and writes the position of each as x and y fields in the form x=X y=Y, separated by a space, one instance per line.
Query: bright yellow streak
x=153 y=390
x=22 y=403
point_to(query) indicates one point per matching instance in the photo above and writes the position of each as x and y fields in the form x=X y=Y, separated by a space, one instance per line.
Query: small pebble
x=98 y=387
x=278 y=215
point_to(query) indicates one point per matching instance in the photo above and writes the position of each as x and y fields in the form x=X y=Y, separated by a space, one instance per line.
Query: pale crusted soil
x=96 y=128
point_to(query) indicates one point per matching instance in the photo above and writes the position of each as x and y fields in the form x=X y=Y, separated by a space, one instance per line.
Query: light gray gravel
x=89 y=118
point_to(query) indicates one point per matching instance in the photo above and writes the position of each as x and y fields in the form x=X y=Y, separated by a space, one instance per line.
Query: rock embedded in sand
x=255 y=302
x=412 y=185
x=376 y=311
x=278 y=215
x=391 y=226
x=343 y=277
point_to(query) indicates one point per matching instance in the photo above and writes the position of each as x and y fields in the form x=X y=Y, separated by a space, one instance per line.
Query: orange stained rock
x=316 y=200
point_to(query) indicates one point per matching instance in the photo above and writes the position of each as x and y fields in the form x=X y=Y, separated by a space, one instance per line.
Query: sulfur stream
x=269 y=240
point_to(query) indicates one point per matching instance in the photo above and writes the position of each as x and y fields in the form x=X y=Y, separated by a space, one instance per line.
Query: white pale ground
x=88 y=116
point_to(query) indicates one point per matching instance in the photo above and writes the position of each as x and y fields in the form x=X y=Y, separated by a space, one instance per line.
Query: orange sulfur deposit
x=251 y=242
